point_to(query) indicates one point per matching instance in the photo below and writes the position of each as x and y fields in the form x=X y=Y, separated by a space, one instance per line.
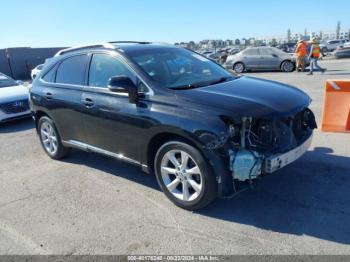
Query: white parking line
x=19 y=238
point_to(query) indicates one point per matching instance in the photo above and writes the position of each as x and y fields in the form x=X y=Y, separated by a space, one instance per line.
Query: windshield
x=178 y=68
x=6 y=81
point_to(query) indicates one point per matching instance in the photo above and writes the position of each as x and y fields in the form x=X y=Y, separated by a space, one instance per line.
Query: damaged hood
x=248 y=96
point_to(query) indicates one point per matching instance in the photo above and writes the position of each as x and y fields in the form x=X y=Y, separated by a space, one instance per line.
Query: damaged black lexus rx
x=173 y=112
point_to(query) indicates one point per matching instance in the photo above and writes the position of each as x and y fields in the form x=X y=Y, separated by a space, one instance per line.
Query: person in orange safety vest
x=301 y=54
x=315 y=54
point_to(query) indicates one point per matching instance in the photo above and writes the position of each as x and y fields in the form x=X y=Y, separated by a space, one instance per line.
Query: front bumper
x=278 y=161
x=11 y=117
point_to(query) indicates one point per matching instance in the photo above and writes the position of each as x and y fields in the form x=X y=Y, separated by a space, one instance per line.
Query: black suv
x=173 y=112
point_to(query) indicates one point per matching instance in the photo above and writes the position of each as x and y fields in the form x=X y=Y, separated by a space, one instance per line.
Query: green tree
x=258 y=43
x=337 y=31
x=289 y=35
x=273 y=42
x=191 y=45
x=238 y=42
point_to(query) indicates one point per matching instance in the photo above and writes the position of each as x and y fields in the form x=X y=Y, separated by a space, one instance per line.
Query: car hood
x=251 y=97
x=12 y=93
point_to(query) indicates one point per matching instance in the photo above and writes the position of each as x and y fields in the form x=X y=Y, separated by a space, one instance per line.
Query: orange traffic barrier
x=336 y=106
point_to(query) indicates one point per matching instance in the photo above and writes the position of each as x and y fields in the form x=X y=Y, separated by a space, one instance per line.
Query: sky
x=48 y=23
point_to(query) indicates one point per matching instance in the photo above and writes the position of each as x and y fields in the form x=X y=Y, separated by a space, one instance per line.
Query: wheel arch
x=239 y=62
x=39 y=114
x=218 y=163
x=286 y=60
x=161 y=138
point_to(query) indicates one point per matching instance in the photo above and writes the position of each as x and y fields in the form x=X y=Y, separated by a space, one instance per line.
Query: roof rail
x=82 y=47
x=130 y=42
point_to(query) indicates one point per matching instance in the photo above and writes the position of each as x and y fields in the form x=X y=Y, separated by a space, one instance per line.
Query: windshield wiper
x=221 y=80
x=190 y=86
x=202 y=84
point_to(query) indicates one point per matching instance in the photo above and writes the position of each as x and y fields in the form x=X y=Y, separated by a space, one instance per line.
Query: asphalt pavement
x=92 y=204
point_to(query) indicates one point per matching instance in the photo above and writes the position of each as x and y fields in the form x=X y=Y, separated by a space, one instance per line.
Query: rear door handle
x=48 y=95
x=88 y=102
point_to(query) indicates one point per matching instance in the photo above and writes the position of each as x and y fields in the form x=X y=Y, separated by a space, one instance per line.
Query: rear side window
x=265 y=51
x=71 y=71
x=251 y=52
x=103 y=67
x=50 y=76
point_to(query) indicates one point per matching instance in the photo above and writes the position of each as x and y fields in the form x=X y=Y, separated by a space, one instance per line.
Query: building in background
x=18 y=62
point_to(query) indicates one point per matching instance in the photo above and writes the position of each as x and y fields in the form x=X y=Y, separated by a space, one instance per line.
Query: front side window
x=71 y=70
x=103 y=67
x=178 y=68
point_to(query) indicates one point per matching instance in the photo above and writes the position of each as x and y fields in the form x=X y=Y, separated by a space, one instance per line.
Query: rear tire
x=50 y=139
x=238 y=67
x=184 y=175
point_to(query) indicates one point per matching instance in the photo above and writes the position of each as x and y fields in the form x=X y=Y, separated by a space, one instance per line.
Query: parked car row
x=13 y=99
x=287 y=47
x=332 y=45
x=215 y=55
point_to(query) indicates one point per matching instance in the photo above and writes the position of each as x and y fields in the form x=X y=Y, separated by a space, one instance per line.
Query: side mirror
x=123 y=84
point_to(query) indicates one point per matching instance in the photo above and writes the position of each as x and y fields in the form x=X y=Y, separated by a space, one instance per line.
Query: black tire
x=287 y=66
x=61 y=150
x=324 y=51
x=238 y=67
x=208 y=181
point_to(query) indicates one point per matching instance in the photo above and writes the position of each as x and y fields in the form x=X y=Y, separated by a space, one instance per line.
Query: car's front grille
x=15 y=107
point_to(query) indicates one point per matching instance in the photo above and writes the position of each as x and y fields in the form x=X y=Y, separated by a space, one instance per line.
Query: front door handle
x=88 y=102
x=48 y=95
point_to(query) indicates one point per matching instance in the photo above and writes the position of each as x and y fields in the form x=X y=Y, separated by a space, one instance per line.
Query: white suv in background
x=14 y=100
x=331 y=45
x=36 y=71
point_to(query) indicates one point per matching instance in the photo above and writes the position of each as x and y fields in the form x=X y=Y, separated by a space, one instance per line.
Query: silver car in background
x=260 y=58
x=14 y=99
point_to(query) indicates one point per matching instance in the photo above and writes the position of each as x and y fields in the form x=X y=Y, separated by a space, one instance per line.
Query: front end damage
x=257 y=146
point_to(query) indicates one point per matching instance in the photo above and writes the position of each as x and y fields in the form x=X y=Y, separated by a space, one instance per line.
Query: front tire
x=324 y=50
x=287 y=66
x=238 y=67
x=50 y=139
x=184 y=175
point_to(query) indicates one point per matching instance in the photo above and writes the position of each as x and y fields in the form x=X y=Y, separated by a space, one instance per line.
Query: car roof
x=124 y=46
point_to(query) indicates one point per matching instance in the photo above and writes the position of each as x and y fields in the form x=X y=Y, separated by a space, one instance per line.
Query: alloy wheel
x=49 y=138
x=238 y=68
x=181 y=175
x=288 y=66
